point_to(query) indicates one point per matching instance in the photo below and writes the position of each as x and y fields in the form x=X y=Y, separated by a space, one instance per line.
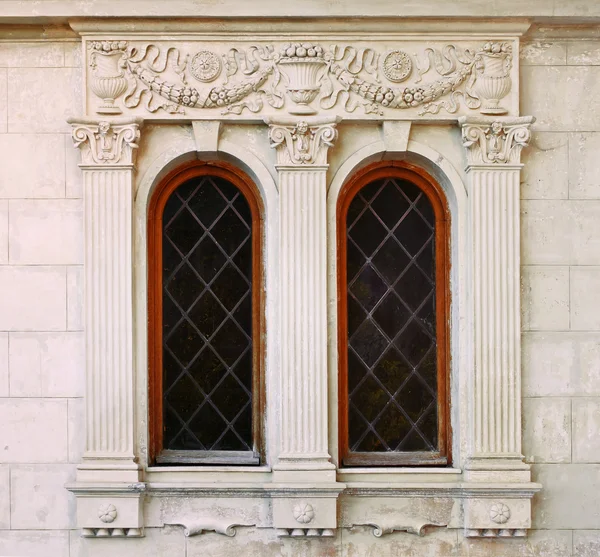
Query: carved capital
x=104 y=143
x=302 y=143
x=495 y=141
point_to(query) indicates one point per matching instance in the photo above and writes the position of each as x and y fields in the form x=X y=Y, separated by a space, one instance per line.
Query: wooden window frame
x=158 y=201
x=437 y=198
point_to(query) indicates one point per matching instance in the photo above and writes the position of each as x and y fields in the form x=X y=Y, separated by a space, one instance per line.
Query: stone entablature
x=302 y=89
x=391 y=77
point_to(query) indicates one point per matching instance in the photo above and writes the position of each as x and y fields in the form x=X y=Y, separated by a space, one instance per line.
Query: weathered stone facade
x=514 y=489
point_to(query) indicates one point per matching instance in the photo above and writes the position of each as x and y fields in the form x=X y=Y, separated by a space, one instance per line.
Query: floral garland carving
x=306 y=72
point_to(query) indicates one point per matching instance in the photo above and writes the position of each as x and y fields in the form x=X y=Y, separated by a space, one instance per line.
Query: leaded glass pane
x=207 y=317
x=392 y=352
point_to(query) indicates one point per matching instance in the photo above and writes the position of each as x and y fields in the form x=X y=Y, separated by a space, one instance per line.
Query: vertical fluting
x=108 y=291
x=495 y=218
x=304 y=334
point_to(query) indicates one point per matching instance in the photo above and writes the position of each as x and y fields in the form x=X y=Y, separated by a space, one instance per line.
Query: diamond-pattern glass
x=207 y=317
x=392 y=353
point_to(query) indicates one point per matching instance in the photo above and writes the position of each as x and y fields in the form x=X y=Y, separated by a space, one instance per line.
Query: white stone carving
x=495 y=142
x=499 y=513
x=108 y=73
x=397 y=66
x=206 y=66
x=302 y=144
x=112 y=533
x=305 y=533
x=219 y=525
x=495 y=533
x=399 y=523
x=310 y=76
x=106 y=143
x=107 y=513
x=303 y=513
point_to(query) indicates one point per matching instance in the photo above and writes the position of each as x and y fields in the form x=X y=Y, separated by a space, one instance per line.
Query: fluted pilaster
x=493 y=153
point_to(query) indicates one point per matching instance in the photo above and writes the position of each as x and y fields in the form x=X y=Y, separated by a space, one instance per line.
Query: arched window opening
x=205 y=317
x=393 y=319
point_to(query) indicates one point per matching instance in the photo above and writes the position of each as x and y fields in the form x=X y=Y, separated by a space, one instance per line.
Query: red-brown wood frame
x=435 y=194
x=158 y=200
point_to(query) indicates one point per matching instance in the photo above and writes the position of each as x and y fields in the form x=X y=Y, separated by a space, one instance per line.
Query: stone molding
x=403 y=77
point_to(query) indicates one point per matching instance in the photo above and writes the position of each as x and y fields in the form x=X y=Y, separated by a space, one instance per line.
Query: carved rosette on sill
x=301 y=78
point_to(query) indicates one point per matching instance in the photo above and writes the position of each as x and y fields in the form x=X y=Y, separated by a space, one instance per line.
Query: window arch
x=205 y=305
x=393 y=318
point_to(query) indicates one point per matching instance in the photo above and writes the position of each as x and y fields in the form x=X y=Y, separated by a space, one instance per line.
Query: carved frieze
x=358 y=79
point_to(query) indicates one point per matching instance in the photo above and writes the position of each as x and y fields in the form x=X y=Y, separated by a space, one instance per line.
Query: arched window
x=205 y=317
x=393 y=319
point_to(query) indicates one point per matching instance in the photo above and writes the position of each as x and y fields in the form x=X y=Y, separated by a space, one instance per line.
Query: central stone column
x=304 y=460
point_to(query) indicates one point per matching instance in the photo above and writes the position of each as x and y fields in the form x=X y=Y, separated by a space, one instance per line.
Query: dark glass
x=207 y=317
x=392 y=358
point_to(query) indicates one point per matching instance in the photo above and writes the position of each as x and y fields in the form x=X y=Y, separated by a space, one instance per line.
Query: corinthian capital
x=495 y=141
x=104 y=143
x=302 y=143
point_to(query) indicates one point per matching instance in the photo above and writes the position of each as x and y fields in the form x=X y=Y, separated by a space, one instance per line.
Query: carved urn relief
x=493 y=83
x=108 y=79
x=302 y=64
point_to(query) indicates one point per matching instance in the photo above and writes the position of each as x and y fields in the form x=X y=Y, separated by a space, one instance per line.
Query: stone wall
x=41 y=343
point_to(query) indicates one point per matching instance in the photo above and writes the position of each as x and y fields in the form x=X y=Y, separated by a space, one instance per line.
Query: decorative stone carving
x=108 y=73
x=302 y=144
x=397 y=66
x=399 y=523
x=496 y=142
x=303 y=513
x=219 y=525
x=206 y=66
x=305 y=533
x=112 y=533
x=496 y=533
x=106 y=143
x=499 y=513
x=107 y=513
x=310 y=76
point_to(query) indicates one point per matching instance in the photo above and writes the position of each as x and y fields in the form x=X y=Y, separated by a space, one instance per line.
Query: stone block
x=73 y=174
x=48 y=232
x=3 y=232
x=538 y=543
x=567 y=104
x=33 y=166
x=33 y=430
x=72 y=54
x=38 y=498
x=586 y=430
x=544 y=298
x=3 y=100
x=543 y=53
x=584 y=182
x=157 y=541
x=36 y=301
x=585 y=239
x=547 y=429
x=569 y=499
x=545 y=233
x=44 y=54
x=585 y=302
x=41 y=99
x=75 y=298
x=545 y=171
x=583 y=53
x=47 y=364
x=76 y=421
x=34 y=543
x=437 y=542
x=586 y=543
x=4 y=373
x=4 y=497
x=561 y=364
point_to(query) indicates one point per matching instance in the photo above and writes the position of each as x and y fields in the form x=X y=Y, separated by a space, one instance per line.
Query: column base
x=497 y=468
